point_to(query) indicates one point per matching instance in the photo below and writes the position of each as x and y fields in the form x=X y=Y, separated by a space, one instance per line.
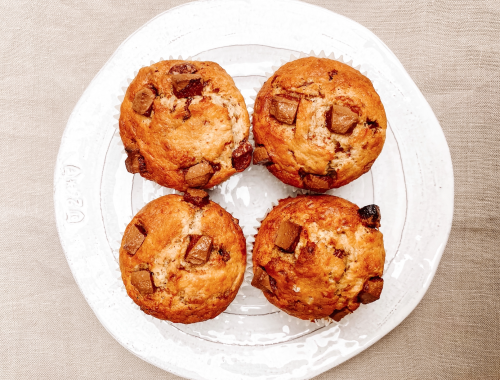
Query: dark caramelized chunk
x=196 y=197
x=198 y=251
x=260 y=156
x=371 y=290
x=199 y=174
x=183 y=68
x=370 y=216
x=284 y=109
x=337 y=315
x=341 y=119
x=288 y=236
x=187 y=85
x=242 y=156
x=143 y=101
x=261 y=280
x=141 y=280
x=319 y=183
x=332 y=73
x=134 y=238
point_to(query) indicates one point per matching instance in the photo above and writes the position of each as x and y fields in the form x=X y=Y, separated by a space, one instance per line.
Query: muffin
x=319 y=256
x=184 y=124
x=182 y=258
x=318 y=124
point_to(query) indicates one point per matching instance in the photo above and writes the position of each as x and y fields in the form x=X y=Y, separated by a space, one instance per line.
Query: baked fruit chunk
x=315 y=257
x=184 y=124
x=318 y=124
x=183 y=258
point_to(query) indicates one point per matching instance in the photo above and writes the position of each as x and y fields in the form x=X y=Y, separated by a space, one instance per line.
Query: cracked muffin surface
x=319 y=256
x=183 y=258
x=184 y=124
x=318 y=124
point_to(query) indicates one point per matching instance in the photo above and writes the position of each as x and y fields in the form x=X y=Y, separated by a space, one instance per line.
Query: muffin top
x=319 y=256
x=184 y=124
x=318 y=124
x=183 y=258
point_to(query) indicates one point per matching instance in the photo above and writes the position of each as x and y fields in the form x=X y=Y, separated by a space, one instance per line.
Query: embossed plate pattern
x=95 y=198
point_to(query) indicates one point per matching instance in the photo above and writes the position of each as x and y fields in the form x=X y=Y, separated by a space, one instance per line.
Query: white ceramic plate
x=95 y=198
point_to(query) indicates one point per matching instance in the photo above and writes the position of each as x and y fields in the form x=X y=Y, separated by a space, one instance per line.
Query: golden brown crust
x=184 y=292
x=309 y=146
x=335 y=257
x=177 y=133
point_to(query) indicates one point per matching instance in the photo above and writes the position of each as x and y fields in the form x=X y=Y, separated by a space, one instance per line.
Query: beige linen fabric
x=51 y=50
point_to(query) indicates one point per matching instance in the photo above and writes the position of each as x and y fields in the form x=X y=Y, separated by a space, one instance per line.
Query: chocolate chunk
x=183 y=68
x=193 y=239
x=340 y=119
x=288 y=236
x=339 y=148
x=143 y=101
x=142 y=164
x=216 y=166
x=260 y=156
x=134 y=238
x=340 y=253
x=196 y=197
x=284 y=108
x=261 y=280
x=242 y=156
x=310 y=247
x=332 y=73
x=272 y=281
x=370 y=216
x=371 y=290
x=198 y=250
x=199 y=174
x=225 y=255
x=328 y=122
x=331 y=172
x=337 y=315
x=187 y=85
x=134 y=163
x=316 y=182
x=142 y=281
x=307 y=253
x=186 y=111
x=372 y=124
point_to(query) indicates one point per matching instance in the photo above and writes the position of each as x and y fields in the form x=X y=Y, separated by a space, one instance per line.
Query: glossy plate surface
x=95 y=197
